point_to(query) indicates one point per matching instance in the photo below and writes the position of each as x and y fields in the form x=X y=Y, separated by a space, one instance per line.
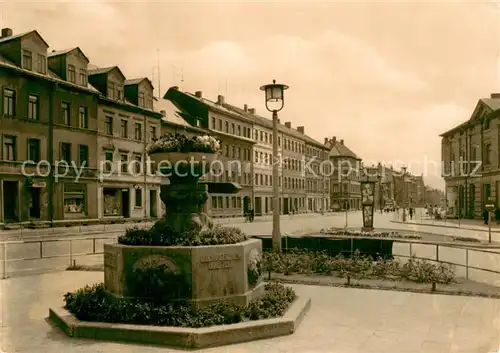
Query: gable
x=480 y=111
x=116 y=74
x=79 y=53
x=35 y=38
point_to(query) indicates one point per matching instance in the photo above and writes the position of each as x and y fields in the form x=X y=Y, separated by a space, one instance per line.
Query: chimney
x=327 y=140
x=245 y=107
x=288 y=124
x=342 y=142
x=300 y=129
x=220 y=99
x=199 y=94
x=175 y=87
x=163 y=112
x=251 y=110
x=6 y=32
x=334 y=139
x=495 y=95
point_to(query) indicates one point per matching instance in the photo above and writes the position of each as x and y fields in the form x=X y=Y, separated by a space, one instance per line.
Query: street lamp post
x=490 y=207
x=404 y=194
x=274 y=103
x=379 y=177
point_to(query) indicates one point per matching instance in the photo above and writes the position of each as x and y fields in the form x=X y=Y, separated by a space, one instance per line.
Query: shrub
x=161 y=235
x=93 y=303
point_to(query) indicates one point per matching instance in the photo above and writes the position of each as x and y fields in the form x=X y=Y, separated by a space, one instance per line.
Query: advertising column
x=367 y=197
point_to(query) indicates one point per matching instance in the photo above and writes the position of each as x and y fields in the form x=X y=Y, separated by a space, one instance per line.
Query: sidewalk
x=466 y=224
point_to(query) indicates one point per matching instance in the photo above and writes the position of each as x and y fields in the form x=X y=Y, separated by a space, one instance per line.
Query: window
x=41 y=63
x=109 y=125
x=83 y=156
x=33 y=107
x=9 y=102
x=65 y=111
x=111 y=90
x=487 y=154
x=226 y=127
x=153 y=132
x=119 y=94
x=138 y=163
x=486 y=123
x=220 y=124
x=82 y=77
x=27 y=60
x=124 y=128
x=124 y=162
x=213 y=123
x=74 y=198
x=66 y=152
x=9 y=148
x=138 y=131
x=83 y=118
x=34 y=150
x=138 y=197
x=141 y=99
x=109 y=160
x=71 y=73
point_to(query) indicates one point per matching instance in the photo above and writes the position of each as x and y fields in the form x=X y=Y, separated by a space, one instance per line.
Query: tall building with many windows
x=235 y=133
x=470 y=155
x=48 y=119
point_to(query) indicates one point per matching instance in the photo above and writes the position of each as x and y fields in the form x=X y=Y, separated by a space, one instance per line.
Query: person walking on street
x=497 y=215
x=411 y=212
x=485 y=216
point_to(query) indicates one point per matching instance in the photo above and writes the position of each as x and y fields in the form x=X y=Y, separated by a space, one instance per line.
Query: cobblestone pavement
x=340 y=321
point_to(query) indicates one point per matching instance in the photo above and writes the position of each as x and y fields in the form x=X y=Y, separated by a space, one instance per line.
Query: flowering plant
x=181 y=143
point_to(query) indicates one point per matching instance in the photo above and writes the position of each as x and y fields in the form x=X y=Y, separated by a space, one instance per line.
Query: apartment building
x=127 y=123
x=318 y=171
x=345 y=190
x=48 y=115
x=471 y=158
x=235 y=133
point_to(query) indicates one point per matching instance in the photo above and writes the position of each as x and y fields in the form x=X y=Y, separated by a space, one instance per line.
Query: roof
x=338 y=149
x=172 y=113
x=136 y=81
x=20 y=35
x=232 y=110
x=51 y=76
x=55 y=53
x=492 y=103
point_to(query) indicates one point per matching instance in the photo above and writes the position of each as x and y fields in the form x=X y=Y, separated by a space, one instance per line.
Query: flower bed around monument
x=183 y=144
x=160 y=235
x=357 y=267
x=367 y=234
x=93 y=303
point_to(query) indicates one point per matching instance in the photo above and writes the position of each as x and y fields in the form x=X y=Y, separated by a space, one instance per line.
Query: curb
x=447 y=226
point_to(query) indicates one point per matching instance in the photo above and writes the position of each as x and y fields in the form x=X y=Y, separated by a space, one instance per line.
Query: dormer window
x=41 y=64
x=83 y=77
x=27 y=60
x=111 y=90
x=119 y=94
x=71 y=73
x=141 y=99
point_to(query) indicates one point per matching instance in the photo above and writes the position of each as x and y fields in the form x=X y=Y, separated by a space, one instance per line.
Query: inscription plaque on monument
x=220 y=261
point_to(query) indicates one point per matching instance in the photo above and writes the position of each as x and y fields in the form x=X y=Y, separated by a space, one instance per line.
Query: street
x=45 y=251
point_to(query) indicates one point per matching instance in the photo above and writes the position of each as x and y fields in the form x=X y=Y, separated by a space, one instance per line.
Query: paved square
x=340 y=321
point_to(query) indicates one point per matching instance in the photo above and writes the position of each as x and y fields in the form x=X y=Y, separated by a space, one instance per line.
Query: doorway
x=125 y=203
x=258 y=206
x=152 y=204
x=10 y=201
x=285 y=206
x=246 y=205
x=35 y=203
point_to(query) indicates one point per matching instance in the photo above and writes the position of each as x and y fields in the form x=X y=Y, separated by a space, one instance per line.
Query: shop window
x=138 y=197
x=112 y=204
x=75 y=196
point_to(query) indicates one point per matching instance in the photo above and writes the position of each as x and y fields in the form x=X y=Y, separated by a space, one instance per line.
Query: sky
x=386 y=77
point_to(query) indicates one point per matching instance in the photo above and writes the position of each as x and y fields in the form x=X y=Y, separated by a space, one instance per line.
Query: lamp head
x=274 y=96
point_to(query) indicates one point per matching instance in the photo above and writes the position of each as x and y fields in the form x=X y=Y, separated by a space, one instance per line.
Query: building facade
x=345 y=190
x=234 y=131
x=471 y=160
x=318 y=171
x=127 y=187
x=48 y=127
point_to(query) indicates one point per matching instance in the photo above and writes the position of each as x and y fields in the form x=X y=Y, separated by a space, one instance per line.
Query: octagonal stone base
x=184 y=337
x=204 y=274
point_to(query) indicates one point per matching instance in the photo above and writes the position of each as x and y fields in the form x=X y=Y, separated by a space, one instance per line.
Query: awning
x=223 y=188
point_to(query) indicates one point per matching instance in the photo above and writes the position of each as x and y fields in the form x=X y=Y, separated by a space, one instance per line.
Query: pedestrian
x=411 y=212
x=485 y=216
x=497 y=216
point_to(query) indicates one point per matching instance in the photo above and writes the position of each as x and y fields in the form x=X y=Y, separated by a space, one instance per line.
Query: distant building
x=345 y=191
